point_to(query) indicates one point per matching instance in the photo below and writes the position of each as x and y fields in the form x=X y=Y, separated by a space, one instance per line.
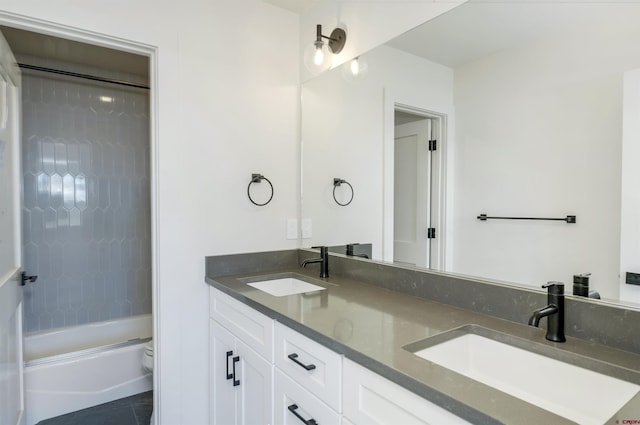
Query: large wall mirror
x=527 y=102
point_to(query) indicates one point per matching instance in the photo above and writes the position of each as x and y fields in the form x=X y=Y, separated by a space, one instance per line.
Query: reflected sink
x=282 y=287
x=576 y=393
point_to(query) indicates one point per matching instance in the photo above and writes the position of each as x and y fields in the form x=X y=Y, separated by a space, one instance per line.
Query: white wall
x=368 y=23
x=227 y=107
x=556 y=156
x=343 y=130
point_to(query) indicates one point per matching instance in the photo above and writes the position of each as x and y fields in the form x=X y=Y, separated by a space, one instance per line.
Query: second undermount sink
x=573 y=392
x=284 y=286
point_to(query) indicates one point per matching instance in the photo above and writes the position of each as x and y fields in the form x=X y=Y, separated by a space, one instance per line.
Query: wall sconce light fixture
x=316 y=56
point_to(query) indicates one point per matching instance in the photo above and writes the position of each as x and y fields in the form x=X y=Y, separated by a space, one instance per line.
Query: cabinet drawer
x=372 y=399
x=290 y=397
x=250 y=326
x=312 y=365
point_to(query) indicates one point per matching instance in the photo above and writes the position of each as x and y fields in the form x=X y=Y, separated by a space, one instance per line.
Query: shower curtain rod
x=85 y=76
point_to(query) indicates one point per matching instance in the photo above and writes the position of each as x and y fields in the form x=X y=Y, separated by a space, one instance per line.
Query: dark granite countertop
x=370 y=325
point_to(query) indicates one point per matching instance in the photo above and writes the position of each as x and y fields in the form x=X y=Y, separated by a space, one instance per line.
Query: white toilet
x=147 y=363
x=147 y=357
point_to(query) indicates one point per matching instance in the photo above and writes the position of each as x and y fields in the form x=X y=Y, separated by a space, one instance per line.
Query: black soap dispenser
x=581 y=284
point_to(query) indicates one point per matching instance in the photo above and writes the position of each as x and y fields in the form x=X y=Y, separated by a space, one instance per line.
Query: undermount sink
x=284 y=286
x=573 y=392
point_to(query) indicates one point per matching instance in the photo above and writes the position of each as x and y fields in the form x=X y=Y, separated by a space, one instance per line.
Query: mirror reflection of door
x=412 y=190
x=11 y=379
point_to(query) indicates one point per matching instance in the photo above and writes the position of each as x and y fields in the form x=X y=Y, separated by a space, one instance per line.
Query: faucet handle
x=323 y=249
x=554 y=288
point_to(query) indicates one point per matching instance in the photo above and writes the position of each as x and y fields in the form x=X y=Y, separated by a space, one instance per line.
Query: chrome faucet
x=323 y=260
x=554 y=312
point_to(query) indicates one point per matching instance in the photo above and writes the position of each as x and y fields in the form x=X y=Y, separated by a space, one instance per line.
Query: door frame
x=439 y=114
x=55 y=30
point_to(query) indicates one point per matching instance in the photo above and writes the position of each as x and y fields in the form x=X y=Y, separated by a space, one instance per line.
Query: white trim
x=630 y=199
x=19 y=325
x=89 y=37
x=71 y=33
x=14 y=95
x=439 y=197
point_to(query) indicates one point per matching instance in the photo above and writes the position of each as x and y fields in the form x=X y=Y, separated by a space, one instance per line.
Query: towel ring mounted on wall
x=337 y=182
x=257 y=178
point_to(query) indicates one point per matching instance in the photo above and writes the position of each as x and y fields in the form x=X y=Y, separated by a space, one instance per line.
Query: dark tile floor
x=134 y=410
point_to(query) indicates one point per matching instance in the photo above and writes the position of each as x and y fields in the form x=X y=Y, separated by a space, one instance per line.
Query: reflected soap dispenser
x=581 y=284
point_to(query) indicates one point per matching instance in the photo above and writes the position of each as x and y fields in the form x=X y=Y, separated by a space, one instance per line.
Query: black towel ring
x=257 y=178
x=337 y=182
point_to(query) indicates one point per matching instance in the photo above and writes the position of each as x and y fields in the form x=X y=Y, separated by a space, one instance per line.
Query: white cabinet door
x=370 y=399
x=254 y=376
x=11 y=369
x=223 y=405
x=241 y=383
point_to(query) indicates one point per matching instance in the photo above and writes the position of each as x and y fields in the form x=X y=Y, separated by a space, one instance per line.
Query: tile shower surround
x=86 y=199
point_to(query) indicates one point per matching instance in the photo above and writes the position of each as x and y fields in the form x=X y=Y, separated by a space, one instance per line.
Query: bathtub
x=73 y=368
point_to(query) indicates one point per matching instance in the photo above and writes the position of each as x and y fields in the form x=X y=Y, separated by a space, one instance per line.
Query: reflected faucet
x=351 y=251
x=323 y=260
x=554 y=312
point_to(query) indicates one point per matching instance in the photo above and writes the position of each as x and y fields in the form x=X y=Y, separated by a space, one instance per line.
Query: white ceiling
x=477 y=29
x=59 y=49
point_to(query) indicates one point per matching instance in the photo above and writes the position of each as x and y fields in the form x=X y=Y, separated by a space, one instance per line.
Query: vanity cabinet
x=263 y=372
x=241 y=363
x=370 y=399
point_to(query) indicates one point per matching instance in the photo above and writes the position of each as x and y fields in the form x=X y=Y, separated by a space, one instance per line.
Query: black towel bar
x=569 y=219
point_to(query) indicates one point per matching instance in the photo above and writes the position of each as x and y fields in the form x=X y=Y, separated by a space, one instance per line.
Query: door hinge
x=431 y=233
x=433 y=144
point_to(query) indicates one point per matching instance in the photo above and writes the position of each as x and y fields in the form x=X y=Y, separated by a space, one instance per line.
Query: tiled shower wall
x=86 y=199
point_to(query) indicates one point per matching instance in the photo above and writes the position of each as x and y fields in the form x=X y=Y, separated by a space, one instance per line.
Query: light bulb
x=355 y=67
x=318 y=57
